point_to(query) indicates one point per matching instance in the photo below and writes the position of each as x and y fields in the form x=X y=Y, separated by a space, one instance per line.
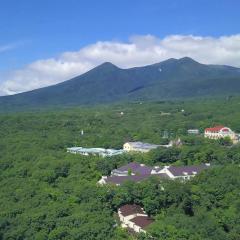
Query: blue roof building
x=95 y=151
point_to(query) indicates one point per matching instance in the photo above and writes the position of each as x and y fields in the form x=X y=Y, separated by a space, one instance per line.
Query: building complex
x=138 y=172
x=127 y=147
x=218 y=132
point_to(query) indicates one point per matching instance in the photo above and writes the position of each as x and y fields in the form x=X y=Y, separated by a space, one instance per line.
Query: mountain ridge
x=106 y=83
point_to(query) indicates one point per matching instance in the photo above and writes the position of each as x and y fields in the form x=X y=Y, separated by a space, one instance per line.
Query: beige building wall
x=221 y=134
x=127 y=147
x=126 y=221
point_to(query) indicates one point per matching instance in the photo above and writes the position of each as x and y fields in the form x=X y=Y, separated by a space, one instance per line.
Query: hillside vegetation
x=170 y=79
x=47 y=193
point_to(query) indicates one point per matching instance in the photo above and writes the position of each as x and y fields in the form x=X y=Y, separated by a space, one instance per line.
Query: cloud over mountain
x=138 y=51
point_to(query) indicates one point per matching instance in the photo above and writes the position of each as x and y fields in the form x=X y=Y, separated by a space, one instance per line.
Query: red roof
x=214 y=129
x=225 y=130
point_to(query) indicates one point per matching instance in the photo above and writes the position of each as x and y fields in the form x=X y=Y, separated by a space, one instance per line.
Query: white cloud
x=138 y=51
x=5 y=48
x=8 y=47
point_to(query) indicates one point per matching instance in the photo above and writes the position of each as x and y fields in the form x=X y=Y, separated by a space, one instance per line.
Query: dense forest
x=47 y=193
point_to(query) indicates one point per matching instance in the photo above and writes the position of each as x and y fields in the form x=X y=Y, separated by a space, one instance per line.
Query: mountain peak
x=170 y=79
x=107 y=65
x=104 y=67
x=171 y=61
x=187 y=60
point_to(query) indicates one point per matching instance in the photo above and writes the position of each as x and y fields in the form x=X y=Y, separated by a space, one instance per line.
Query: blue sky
x=42 y=29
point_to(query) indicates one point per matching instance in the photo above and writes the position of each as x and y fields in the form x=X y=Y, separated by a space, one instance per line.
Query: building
x=140 y=223
x=142 y=147
x=136 y=172
x=127 y=147
x=175 y=143
x=119 y=180
x=193 y=131
x=133 y=171
x=218 y=132
x=132 y=216
x=183 y=172
x=139 y=147
x=132 y=168
x=95 y=151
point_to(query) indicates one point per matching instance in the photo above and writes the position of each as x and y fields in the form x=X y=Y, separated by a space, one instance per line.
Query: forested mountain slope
x=170 y=79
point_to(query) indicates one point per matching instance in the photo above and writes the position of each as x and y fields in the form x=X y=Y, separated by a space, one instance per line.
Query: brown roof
x=142 y=221
x=128 y=209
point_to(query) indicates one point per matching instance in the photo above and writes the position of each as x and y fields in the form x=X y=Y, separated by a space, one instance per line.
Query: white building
x=218 y=132
x=193 y=131
x=142 y=147
x=139 y=147
x=181 y=172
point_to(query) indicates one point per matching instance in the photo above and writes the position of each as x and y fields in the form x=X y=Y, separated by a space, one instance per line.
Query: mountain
x=170 y=79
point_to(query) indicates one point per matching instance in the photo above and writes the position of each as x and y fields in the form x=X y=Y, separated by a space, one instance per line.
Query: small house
x=134 y=217
x=193 y=131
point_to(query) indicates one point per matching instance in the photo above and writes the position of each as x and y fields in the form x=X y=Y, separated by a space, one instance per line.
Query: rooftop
x=168 y=172
x=130 y=209
x=142 y=145
x=121 y=179
x=142 y=221
x=94 y=150
x=136 y=168
x=215 y=129
x=118 y=180
x=187 y=170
